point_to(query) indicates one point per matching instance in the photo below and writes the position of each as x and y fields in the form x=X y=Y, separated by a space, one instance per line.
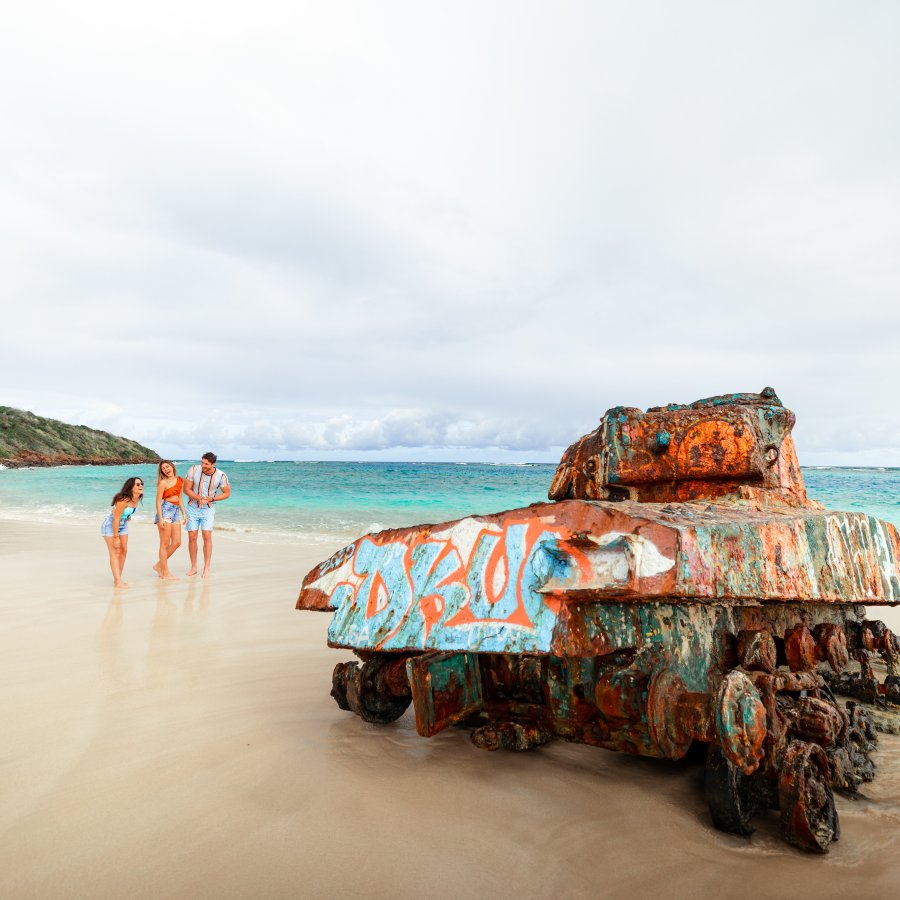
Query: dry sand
x=178 y=740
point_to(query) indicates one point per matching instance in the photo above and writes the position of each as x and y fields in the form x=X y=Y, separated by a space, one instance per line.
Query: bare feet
x=192 y=572
x=168 y=576
x=205 y=573
x=121 y=585
x=155 y=568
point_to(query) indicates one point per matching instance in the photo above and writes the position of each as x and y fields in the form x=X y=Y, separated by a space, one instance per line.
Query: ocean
x=342 y=500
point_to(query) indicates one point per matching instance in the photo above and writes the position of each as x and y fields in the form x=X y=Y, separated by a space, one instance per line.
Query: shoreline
x=245 y=533
x=46 y=461
x=316 y=542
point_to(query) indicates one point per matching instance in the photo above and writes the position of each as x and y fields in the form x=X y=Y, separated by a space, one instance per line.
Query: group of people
x=204 y=486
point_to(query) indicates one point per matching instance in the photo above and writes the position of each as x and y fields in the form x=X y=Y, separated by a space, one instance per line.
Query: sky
x=462 y=231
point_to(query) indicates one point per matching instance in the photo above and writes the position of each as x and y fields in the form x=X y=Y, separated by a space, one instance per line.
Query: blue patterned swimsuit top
x=126 y=513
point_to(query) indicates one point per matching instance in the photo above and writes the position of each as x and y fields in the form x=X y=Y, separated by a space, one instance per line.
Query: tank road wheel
x=378 y=691
x=808 y=817
x=729 y=794
x=862 y=740
x=510 y=736
x=339 y=678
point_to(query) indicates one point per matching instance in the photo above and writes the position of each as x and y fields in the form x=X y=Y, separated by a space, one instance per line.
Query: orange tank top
x=173 y=491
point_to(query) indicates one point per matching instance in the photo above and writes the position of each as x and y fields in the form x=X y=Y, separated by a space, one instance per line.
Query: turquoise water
x=338 y=499
x=329 y=498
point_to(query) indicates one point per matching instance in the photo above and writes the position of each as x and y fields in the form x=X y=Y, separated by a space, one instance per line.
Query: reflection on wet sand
x=175 y=634
x=197 y=599
x=160 y=656
x=114 y=661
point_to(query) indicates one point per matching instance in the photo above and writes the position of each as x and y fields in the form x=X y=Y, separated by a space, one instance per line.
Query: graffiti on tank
x=479 y=575
x=336 y=560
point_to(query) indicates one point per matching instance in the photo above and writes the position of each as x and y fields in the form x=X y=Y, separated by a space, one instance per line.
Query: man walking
x=204 y=485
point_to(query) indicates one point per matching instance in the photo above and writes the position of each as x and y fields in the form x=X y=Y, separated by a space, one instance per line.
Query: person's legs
x=123 y=552
x=192 y=550
x=174 y=538
x=193 y=526
x=207 y=552
x=161 y=566
x=114 y=563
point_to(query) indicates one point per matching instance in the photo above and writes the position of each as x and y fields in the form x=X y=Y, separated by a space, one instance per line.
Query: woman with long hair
x=170 y=515
x=115 y=526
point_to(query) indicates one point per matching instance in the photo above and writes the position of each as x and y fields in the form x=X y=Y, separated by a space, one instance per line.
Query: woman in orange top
x=170 y=515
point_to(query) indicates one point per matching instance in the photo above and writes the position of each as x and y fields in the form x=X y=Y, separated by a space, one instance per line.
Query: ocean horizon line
x=386 y=462
x=399 y=462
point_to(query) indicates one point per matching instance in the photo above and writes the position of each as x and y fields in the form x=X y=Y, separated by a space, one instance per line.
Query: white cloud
x=354 y=227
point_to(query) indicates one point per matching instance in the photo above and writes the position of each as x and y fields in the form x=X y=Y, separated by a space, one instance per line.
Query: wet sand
x=178 y=740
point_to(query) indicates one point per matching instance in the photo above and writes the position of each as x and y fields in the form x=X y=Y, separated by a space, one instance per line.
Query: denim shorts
x=171 y=512
x=201 y=517
x=106 y=526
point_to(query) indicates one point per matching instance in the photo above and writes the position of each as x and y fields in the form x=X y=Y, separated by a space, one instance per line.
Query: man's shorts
x=171 y=512
x=201 y=517
x=107 y=523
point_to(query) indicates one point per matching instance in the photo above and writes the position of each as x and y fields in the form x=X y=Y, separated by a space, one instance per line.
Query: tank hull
x=545 y=579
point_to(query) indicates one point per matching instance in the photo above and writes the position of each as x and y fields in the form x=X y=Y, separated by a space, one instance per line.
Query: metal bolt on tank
x=679 y=588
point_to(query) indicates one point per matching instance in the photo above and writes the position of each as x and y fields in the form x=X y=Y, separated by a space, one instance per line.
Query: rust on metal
x=732 y=444
x=832 y=646
x=756 y=650
x=678 y=589
x=446 y=688
x=800 y=649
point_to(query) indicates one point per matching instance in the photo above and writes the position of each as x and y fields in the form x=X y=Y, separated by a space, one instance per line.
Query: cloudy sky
x=460 y=230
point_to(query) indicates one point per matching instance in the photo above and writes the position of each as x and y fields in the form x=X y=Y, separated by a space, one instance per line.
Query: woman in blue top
x=115 y=526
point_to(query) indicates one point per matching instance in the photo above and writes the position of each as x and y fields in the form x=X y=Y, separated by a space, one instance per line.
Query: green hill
x=30 y=440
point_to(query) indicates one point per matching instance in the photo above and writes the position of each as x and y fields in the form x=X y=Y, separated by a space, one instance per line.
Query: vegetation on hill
x=30 y=440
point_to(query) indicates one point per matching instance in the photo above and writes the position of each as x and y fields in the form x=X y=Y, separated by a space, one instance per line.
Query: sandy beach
x=178 y=739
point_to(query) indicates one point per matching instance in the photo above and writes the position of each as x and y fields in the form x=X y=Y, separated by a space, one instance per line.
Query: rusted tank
x=679 y=589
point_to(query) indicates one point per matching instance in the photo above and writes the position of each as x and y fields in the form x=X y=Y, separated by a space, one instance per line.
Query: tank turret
x=736 y=446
